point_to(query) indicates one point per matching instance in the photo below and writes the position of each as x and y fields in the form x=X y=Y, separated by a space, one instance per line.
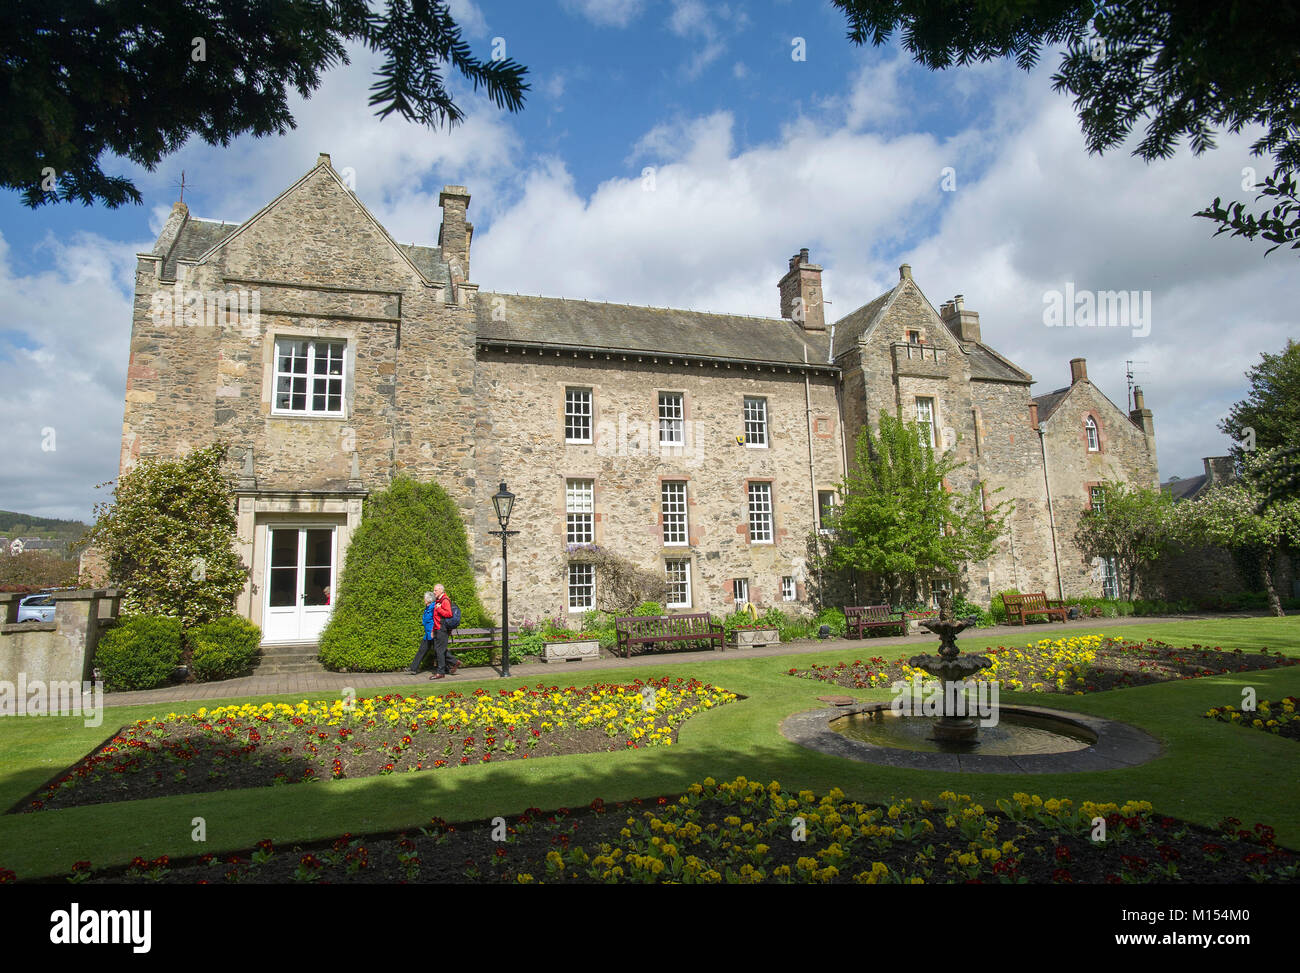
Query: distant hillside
x=14 y=524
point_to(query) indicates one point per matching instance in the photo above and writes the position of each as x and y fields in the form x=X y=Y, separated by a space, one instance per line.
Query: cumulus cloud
x=605 y=13
x=63 y=359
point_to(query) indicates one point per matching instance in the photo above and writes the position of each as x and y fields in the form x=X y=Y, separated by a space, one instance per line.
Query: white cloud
x=1032 y=210
x=605 y=13
x=63 y=360
x=467 y=14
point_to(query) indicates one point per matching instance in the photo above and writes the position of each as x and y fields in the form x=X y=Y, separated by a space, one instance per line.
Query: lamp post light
x=502 y=502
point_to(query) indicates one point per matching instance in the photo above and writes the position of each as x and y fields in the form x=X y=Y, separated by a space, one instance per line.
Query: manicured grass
x=1208 y=770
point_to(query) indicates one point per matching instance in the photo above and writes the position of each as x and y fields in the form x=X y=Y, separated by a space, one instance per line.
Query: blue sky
x=755 y=154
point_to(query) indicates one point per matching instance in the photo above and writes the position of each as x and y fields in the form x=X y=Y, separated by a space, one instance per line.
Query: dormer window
x=1090 y=426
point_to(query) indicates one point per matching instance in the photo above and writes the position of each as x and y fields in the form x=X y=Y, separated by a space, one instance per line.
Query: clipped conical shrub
x=410 y=538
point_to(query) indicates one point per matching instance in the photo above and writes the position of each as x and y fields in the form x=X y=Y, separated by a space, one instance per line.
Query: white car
x=37 y=608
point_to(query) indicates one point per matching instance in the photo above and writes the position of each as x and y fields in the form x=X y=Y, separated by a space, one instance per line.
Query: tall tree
x=1135 y=526
x=1269 y=416
x=900 y=521
x=1184 y=68
x=1236 y=516
x=168 y=538
x=137 y=78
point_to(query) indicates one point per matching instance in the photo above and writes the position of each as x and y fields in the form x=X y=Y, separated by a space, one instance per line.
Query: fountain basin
x=1113 y=745
x=1017 y=733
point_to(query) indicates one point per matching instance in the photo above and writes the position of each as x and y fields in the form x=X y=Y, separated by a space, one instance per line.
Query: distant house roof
x=560 y=323
x=1185 y=489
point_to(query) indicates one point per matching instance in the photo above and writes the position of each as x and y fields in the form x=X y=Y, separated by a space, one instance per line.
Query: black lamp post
x=502 y=501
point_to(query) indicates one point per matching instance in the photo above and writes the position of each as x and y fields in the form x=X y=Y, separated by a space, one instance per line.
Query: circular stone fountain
x=1007 y=739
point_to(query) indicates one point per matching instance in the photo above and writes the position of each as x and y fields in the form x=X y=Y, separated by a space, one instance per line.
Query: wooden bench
x=1034 y=603
x=648 y=630
x=873 y=616
x=479 y=638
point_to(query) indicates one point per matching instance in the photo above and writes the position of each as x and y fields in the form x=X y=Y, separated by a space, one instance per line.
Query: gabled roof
x=215 y=239
x=985 y=363
x=196 y=238
x=560 y=323
x=1185 y=489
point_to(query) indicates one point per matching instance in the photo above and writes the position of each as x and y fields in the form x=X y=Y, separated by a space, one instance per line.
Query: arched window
x=1094 y=443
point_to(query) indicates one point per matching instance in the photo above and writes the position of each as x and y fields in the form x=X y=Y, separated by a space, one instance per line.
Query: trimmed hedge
x=411 y=537
x=139 y=652
x=224 y=649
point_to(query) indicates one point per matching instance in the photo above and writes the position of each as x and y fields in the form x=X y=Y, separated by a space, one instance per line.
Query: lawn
x=1208 y=770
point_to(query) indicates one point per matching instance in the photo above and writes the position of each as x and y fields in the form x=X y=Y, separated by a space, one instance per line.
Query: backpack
x=452 y=623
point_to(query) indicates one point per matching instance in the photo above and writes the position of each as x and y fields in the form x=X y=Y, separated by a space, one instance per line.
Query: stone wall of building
x=521 y=436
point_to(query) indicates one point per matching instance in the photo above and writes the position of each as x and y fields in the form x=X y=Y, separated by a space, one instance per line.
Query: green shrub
x=834 y=617
x=223 y=649
x=410 y=538
x=139 y=652
x=961 y=608
x=648 y=608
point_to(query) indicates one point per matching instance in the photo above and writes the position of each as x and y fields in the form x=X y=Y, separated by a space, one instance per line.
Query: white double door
x=300 y=581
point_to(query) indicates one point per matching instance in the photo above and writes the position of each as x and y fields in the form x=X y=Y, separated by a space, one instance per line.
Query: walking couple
x=437 y=621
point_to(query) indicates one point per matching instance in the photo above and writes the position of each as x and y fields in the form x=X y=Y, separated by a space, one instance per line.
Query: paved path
x=332 y=683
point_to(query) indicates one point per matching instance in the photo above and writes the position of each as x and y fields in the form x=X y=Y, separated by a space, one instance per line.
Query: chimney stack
x=801 y=293
x=455 y=233
x=1033 y=415
x=1078 y=370
x=1140 y=415
x=965 y=325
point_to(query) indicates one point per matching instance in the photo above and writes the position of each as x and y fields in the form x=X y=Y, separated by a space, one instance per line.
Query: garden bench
x=873 y=616
x=1034 y=603
x=479 y=638
x=649 y=630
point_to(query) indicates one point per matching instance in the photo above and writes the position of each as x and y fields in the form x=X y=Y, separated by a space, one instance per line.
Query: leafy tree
x=899 y=520
x=1236 y=516
x=411 y=537
x=1135 y=526
x=1269 y=416
x=137 y=78
x=168 y=538
x=1183 y=69
x=36 y=569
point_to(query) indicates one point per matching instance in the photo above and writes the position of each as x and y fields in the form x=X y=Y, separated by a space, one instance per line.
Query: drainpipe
x=807 y=400
x=1051 y=515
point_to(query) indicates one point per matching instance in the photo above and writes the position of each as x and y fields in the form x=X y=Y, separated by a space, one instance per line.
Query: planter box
x=757 y=636
x=571 y=651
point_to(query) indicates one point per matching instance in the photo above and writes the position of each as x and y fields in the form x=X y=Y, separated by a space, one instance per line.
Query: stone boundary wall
x=62 y=650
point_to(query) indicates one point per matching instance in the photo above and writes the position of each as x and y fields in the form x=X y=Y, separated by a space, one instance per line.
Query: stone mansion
x=706 y=446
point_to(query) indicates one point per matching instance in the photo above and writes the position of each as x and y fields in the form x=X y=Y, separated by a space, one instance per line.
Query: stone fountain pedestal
x=951 y=666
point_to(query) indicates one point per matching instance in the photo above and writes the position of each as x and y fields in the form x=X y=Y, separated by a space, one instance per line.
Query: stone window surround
x=686 y=500
x=767 y=422
x=690 y=587
x=298 y=332
x=1101 y=434
x=564 y=501
x=934 y=416
x=591 y=390
x=1087 y=492
x=686 y=416
x=771 y=497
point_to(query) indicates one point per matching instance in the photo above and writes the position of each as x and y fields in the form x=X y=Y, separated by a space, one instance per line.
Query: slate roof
x=563 y=323
x=428 y=260
x=1048 y=402
x=196 y=238
x=1185 y=489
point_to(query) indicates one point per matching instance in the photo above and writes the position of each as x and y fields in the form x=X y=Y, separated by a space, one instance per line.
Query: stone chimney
x=455 y=233
x=1140 y=415
x=801 y=293
x=1078 y=370
x=1218 y=470
x=965 y=325
x=1033 y=415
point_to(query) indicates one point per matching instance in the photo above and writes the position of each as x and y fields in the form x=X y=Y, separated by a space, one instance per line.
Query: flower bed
x=1271 y=716
x=1082 y=664
x=275 y=743
x=741 y=832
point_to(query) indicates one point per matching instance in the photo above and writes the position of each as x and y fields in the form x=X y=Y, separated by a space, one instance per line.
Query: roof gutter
x=642 y=353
